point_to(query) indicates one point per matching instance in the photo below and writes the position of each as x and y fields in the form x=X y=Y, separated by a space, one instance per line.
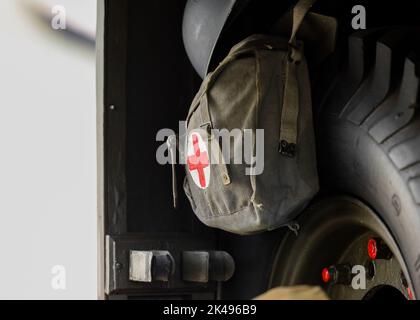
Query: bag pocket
x=187 y=191
x=227 y=190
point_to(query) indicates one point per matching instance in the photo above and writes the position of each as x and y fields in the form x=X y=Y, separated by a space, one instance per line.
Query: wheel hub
x=345 y=248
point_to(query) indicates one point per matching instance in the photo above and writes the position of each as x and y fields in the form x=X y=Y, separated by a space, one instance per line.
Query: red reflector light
x=410 y=294
x=326 y=276
x=372 y=249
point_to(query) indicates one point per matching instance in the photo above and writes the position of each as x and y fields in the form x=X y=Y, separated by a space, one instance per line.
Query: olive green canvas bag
x=261 y=86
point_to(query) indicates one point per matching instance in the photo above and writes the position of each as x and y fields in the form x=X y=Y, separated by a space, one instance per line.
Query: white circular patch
x=198 y=160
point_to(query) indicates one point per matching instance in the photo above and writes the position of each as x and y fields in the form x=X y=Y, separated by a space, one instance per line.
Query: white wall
x=47 y=157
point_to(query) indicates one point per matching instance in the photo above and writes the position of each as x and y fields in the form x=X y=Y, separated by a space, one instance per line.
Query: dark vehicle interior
x=146 y=83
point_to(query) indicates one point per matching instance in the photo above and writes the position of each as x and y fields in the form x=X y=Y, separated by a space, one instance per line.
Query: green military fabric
x=262 y=84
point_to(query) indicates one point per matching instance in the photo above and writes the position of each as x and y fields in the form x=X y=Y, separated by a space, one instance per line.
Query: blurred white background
x=48 y=150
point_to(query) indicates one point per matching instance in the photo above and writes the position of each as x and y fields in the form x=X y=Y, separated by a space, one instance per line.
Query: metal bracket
x=164 y=265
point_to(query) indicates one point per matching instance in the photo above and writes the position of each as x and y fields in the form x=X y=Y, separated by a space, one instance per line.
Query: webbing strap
x=290 y=110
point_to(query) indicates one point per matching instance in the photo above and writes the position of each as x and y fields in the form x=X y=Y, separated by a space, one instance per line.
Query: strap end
x=287 y=149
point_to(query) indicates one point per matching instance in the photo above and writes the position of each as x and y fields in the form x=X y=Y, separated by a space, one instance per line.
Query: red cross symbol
x=198 y=161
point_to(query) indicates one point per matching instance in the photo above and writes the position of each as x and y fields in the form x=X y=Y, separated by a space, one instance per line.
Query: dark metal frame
x=111 y=106
x=114 y=237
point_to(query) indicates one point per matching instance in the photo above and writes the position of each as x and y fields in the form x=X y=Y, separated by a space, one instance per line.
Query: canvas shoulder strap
x=299 y=13
x=290 y=111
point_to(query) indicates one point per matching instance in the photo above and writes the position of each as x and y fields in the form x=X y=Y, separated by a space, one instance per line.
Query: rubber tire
x=369 y=134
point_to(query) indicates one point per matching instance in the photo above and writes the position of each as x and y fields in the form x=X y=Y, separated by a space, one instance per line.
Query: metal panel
x=118 y=265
